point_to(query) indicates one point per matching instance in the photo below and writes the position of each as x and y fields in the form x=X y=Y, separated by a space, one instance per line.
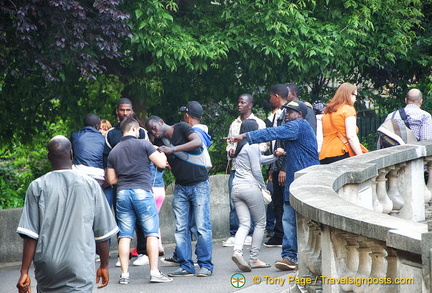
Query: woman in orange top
x=340 y=126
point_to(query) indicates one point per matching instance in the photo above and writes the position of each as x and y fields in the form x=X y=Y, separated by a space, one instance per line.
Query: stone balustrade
x=363 y=222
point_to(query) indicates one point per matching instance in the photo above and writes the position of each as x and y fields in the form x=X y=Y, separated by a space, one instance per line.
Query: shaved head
x=60 y=153
x=414 y=96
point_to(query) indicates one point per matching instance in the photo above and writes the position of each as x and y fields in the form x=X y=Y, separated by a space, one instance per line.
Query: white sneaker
x=248 y=240
x=141 y=260
x=97 y=258
x=229 y=242
x=118 y=264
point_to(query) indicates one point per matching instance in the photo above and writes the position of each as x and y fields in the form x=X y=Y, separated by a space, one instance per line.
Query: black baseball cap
x=297 y=106
x=193 y=108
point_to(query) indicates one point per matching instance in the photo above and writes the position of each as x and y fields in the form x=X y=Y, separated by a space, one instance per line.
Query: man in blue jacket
x=301 y=149
x=88 y=145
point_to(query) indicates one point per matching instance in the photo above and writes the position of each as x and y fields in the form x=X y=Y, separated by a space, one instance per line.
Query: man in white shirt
x=244 y=106
x=419 y=121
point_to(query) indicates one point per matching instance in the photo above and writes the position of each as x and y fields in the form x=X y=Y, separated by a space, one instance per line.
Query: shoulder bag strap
x=404 y=117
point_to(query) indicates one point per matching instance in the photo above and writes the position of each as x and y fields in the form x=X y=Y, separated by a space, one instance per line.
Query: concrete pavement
x=220 y=281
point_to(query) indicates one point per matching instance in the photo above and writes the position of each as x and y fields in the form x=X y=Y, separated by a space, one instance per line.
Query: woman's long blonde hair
x=342 y=97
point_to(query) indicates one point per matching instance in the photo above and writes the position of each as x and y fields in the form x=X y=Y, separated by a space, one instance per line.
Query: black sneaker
x=270 y=233
x=171 y=261
x=273 y=242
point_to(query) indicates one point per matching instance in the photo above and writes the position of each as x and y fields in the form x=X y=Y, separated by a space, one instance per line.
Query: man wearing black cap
x=301 y=149
x=192 y=115
x=191 y=201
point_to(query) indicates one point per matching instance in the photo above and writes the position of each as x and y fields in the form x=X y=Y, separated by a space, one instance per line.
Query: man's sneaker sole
x=124 y=281
x=272 y=245
x=169 y=261
x=285 y=267
x=180 y=274
x=204 y=272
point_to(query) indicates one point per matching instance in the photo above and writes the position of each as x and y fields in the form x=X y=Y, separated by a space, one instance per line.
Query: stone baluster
x=316 y=252
x=364 y=266
x=351 y=260
x=393 y=190
x=306 y=255
x=428 y=189
x=378 y=268
x=376 y=205
x=381 y=191
x=392 y=269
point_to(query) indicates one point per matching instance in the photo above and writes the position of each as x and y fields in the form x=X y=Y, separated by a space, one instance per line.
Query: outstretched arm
x=235 y=138
x=29 y=249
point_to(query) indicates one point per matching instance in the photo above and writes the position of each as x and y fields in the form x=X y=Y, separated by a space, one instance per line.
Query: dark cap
x=297 y=106
x=193 y=108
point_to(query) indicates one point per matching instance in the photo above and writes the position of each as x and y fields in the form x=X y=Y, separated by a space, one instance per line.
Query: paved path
x=220 y=281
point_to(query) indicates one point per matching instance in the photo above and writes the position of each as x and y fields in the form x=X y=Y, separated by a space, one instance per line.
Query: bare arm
x=29 y=249
x=102 y=271
x=111 y=176
x=159 y=159
x=351 y=134
x=194 y=142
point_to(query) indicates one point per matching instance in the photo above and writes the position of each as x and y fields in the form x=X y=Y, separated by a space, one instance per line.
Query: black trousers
x=329 y=160
x=141 y=239
x=278 y=201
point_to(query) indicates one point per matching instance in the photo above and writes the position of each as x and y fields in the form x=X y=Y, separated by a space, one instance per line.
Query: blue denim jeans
x=136 y=205
x=191 y=204
x=109 y=194
x=289 y=240
x=233 y=218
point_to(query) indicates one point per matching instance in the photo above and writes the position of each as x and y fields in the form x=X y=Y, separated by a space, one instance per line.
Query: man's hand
x=279 y=152
x=282 y=178
x=166 y=149
x=235 y=138
x=102 y=273
x=231 y=153
x=23 y=284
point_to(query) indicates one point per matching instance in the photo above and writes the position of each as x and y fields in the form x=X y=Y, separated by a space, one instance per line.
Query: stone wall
x=11 y=243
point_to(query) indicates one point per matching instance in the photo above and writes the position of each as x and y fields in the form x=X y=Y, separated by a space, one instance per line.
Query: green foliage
x=59 y=63
x=22 y=163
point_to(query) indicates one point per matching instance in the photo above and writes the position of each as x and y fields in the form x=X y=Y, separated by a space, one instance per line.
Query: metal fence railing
x=368 y=122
